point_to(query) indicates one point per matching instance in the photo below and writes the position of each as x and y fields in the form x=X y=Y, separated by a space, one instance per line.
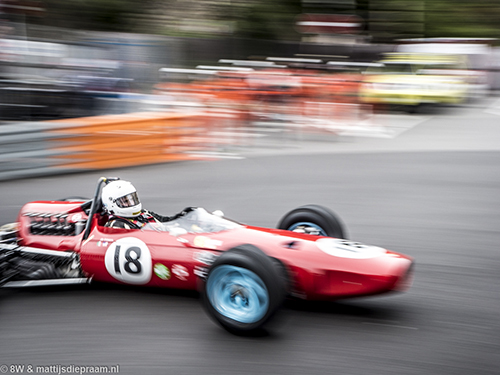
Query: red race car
x=243 y=272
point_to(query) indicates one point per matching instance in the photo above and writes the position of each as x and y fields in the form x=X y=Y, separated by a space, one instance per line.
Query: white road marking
x=384 y=125
x=215 y=154
x=494 y=109
x=387 y=126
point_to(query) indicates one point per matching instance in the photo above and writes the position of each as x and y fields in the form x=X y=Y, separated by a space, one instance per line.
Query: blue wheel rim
x=238 y=294
x=308 y=228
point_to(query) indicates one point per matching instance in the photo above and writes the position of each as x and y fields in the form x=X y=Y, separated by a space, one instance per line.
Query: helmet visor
x=128 y=200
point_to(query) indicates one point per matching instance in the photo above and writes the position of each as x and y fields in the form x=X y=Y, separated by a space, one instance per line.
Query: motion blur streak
x=428 y=200
x=385 y=111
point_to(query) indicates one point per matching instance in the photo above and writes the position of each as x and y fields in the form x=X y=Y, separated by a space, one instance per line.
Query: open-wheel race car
x=243 y=272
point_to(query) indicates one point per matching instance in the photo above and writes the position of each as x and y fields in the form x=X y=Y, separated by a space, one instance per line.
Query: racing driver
x=122 y=203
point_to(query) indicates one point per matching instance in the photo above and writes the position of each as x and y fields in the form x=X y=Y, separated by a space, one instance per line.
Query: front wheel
x=243 y=290
x=313 y=219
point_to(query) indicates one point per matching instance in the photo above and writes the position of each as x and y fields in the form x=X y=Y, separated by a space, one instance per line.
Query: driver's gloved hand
x=169 y=218
x=183 y=212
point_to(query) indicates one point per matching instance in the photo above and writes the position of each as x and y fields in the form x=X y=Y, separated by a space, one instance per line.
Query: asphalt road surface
x=432 y=191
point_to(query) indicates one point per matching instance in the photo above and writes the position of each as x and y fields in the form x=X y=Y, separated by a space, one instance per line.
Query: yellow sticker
x=206 y=242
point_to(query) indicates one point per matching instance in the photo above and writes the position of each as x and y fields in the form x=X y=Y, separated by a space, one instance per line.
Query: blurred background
x=237 y=69
x=385 y=111
x=73 y=58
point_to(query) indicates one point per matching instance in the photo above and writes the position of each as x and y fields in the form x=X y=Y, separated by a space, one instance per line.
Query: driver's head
x=120 y=198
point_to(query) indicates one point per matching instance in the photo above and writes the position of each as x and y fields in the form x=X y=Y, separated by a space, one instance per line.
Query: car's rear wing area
x=22 y=266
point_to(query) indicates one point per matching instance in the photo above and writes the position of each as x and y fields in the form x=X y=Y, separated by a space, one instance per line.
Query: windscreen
x=196 y=221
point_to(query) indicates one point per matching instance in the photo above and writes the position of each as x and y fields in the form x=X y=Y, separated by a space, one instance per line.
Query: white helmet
x=120 y=198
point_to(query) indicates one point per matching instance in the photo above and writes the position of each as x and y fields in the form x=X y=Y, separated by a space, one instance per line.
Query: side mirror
x=218 y=213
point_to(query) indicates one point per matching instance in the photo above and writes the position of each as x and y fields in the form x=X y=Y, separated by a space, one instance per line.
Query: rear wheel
x=313 y=219
x=243 y=290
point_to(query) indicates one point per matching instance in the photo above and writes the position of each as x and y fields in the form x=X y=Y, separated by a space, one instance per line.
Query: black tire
x=243 y=290
x=313 y=219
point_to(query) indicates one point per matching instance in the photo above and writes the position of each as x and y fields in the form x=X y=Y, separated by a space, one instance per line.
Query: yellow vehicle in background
x=411 y=80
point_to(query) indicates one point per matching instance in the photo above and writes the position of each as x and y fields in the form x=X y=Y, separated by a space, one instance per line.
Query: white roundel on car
x=129 y=260
x=348 y=249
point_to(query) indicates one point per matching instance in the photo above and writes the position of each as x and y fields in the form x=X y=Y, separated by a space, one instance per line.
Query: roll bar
x=96 y=203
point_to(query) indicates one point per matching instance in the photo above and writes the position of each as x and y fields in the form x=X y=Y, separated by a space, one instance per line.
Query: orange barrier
x=306 y=100
x=125 y=140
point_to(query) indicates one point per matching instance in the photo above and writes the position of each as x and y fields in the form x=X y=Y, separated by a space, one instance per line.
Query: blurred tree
x=102 y=15
x=267 y=19
x=392 y=19
x=386 y=20
x=463 y=18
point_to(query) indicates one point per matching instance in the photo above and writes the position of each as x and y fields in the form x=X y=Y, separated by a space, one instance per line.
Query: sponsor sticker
x=204 y=257
x=104 y=242
x=201 y=271
x=206 y=242
x=162 y=271
x=180 y=272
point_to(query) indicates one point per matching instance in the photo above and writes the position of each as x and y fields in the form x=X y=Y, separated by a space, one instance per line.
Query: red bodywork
x=319 y=268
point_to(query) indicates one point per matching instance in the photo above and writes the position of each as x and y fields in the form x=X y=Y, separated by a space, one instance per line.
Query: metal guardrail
x=32 y=149
x=26 y=149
